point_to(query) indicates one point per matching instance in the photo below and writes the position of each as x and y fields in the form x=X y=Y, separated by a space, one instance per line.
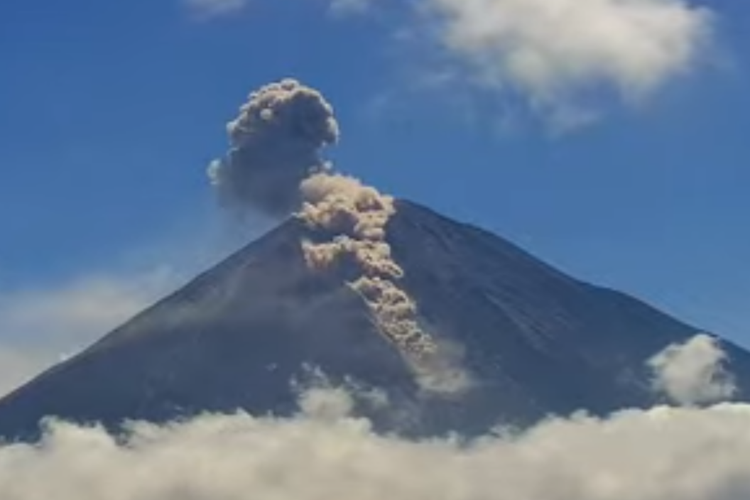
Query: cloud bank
x=659 y=454
x=693 y=372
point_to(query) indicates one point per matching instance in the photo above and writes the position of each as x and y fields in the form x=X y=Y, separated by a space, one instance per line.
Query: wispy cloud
x=215 y=8
x=40 y=326
x=693 y=372
x=348 y=7
x=19 y=365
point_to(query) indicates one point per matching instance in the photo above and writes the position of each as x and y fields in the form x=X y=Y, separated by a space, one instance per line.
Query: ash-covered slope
x=533 y=340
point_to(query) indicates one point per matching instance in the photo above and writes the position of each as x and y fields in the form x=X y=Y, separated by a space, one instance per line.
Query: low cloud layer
x=659 y=454
x=693 y=372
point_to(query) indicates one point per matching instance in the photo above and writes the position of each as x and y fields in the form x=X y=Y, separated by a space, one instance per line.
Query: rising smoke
x=275 y=166
x=276 y=143
x=358 y=214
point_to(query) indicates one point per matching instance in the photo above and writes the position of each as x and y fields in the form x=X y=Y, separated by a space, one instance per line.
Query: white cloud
x=660 y=454
x=560 y=53
x=38 y=327
x=693 y=372
x=214 y=8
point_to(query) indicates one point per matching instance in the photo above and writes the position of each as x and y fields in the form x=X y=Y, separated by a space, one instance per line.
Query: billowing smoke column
x=358 y=214
x=275 y=166
x=275 y=144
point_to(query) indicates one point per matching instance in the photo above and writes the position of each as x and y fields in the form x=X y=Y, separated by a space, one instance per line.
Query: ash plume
x=275 y=166
x=276 y=142
x=358 y=215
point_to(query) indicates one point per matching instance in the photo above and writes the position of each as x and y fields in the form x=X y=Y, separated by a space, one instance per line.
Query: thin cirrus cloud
x=215 y=8
x=219 y=8
x=347 y=7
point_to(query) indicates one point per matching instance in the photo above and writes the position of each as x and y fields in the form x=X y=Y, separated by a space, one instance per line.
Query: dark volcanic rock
x=535 y=340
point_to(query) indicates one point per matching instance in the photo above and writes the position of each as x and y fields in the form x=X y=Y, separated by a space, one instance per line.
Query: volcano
x=533 y=340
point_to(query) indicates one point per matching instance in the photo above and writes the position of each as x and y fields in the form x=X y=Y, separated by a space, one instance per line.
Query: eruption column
x=274 y=166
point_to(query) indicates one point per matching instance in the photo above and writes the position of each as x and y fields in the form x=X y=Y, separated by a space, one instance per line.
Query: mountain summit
x=435 y=326
x=529 y=339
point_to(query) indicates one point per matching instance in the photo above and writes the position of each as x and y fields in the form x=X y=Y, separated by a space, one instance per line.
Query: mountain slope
x=534 y=340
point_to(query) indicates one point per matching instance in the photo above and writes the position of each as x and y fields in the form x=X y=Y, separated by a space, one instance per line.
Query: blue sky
x=621 y=164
